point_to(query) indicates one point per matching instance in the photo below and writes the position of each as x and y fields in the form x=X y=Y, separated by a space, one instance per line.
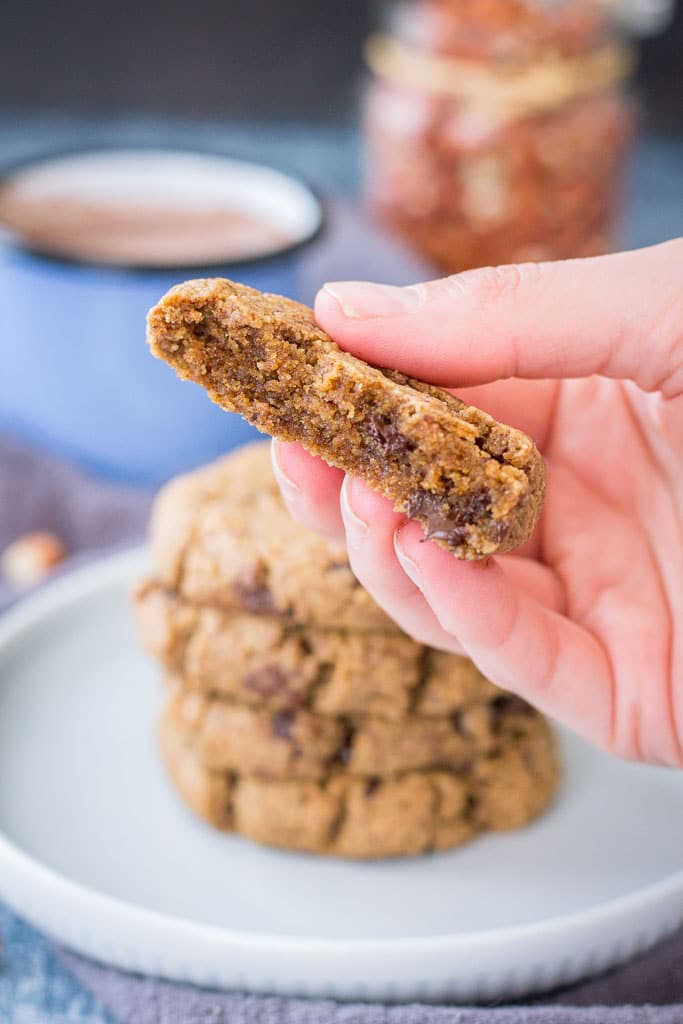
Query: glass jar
x=497 y=130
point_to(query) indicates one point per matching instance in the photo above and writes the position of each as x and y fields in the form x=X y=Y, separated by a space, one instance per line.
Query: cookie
x=222 y=536
x=262 y=661
x=228 y=736
x=399 y=815
x=475 y=485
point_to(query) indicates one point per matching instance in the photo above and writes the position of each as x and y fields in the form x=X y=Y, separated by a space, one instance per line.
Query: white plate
x=96 y=850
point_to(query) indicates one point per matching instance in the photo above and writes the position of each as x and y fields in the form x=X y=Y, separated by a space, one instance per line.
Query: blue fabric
x=34 y=986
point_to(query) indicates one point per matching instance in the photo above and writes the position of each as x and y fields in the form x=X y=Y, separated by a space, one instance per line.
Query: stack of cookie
x=296 y=713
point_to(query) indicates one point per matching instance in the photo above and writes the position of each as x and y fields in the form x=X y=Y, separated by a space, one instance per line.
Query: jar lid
x=506 y=31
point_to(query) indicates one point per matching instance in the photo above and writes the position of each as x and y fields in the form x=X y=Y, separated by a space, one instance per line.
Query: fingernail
x=409 y=566
x=360 y=300
x=356 y=528
x=290 y=490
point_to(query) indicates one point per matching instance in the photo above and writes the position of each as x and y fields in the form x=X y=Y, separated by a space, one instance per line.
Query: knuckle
x=499 y=284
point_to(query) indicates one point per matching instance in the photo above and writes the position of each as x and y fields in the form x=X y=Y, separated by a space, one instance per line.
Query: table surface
x=34 y=988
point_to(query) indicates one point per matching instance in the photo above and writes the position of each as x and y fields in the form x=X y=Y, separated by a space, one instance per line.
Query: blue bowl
x=76 y=376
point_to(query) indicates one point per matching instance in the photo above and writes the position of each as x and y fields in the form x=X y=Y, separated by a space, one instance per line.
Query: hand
x=586 y=356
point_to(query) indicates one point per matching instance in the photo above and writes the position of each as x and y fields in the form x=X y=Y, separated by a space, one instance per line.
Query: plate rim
x=527 y=957
x=53 y=598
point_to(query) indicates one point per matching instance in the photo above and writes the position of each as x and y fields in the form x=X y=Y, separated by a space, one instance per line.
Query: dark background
x=261 y=59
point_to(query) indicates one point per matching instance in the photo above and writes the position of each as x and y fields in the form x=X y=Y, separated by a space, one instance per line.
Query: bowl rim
x=13 y=242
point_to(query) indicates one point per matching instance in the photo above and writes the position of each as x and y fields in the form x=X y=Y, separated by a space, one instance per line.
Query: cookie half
x=475 y=485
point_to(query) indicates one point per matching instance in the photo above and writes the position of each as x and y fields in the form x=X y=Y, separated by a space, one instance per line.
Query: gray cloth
x=656 y=978
x=38 y=493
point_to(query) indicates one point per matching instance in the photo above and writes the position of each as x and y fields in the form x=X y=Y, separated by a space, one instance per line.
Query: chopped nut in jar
x=30 y=558
x=497 y=130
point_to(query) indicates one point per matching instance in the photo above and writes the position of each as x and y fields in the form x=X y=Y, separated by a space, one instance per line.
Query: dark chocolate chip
x=508 y=704
x=471 y=805
x=255 y=597
x=251 y=590
x=481 y=445
x=387 y=434
x=282 y=725
x=266 y=680
x=201 y=330
x=447 y=519
x=471 y=507
x=371 y=787
x=344 y=754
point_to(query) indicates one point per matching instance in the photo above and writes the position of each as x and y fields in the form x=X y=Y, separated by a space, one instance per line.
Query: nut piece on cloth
x=30 y=558
x=475 y=485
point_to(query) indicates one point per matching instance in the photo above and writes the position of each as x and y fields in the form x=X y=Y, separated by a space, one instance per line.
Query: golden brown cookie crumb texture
x=232 y=737
x=474 y=485
x=221 y=536
x=264 y=662
x=396 y=815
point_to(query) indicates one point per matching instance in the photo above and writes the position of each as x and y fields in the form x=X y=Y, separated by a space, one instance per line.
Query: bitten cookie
x=262 y=661
x=475 y=485
x=391 y=816
x=222 y=536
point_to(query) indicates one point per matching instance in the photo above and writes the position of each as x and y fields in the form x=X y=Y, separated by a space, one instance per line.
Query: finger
x=310 y=489
x=619 y=316
x=514 y=639
x=371 y=525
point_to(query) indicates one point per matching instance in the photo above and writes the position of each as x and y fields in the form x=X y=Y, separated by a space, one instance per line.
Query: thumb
x=619 y=316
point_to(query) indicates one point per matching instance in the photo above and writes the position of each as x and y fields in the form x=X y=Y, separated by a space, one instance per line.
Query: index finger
x=620 y=316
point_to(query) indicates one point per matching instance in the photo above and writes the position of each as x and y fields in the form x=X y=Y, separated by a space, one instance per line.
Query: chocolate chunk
x=471 y=805
x=305 y=645
x=344 y=754
x=253 y=594
x=282 y=725
x=447 y=519
x=267 y=680
x=508 y=704
x=388 y=436
x=256 y=599
x=371 y=786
